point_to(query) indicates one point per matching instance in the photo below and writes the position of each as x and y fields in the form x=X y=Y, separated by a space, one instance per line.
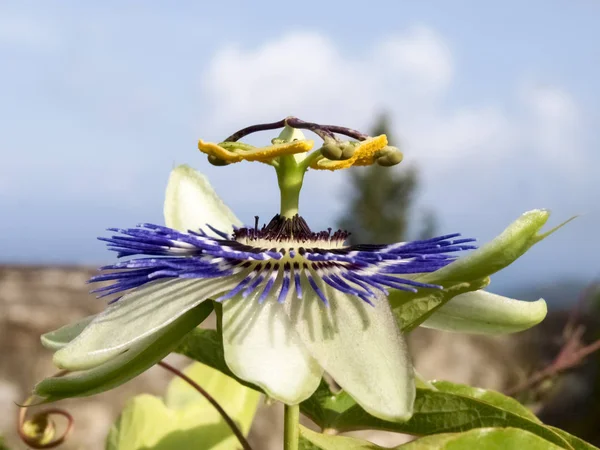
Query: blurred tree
x=379 y=207
x=428 y=225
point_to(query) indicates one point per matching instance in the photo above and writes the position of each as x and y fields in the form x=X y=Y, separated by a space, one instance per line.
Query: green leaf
x=574 y=441
x=470 y=272
x=309 y=440
x=125 y=366
x=480 y=439
x=185 y=419
x=492 y=397
x=434 y=412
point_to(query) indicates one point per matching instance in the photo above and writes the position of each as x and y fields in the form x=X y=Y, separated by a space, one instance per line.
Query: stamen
x=365 y=154
x=249 y=153
x=334 y=154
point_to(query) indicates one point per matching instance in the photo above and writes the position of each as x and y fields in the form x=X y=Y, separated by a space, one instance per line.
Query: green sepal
x=481 y=312
x=499 y=253
x=416 y=308
x=123 y=367
x=471 y=272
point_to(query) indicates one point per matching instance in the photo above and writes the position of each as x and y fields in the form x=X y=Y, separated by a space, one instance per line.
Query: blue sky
x=497 y=105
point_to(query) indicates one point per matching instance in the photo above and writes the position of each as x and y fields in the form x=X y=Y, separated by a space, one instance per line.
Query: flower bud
x=390 y=156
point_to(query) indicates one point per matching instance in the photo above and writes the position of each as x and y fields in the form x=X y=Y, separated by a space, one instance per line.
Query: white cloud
x=552 y=104
x=419 y=57
x=555 y=130
x=407 y=74
x=479 y=162
x=300 y=73
x=306 y=74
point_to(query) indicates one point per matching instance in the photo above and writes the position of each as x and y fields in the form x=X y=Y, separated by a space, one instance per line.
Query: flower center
x=290 y=231
x=283 y=257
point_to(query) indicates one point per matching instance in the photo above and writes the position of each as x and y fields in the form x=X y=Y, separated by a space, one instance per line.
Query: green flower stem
x=291 y=423
x=290 y=175
x=290 y=178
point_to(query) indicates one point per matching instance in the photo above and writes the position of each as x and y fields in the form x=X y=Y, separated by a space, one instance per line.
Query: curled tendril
x=39 y=431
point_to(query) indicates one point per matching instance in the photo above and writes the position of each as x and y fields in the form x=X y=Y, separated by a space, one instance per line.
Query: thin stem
x=310 y=159
x=255 y=128
x=323 y=131
x=291 y=420
x=234 y=428
x=346 y=132
x=319 y=130
x=571 y=355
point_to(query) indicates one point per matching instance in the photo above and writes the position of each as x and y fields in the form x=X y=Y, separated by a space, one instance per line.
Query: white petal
x=482 y=312
x=262 y=347
x=57 y=339
x=191 y=203
x=135 y=316
x=360 y=346
x=139 y=357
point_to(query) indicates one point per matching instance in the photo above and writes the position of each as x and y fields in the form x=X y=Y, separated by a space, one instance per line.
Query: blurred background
x=494 y=105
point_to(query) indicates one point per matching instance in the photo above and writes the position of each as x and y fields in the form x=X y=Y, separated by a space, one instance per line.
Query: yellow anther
x=365 y=154
x=290 y=148
x=246 y=152
x=217 y=151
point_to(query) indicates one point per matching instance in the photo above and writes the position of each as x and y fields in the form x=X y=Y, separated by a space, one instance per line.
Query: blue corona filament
x=281 y=259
